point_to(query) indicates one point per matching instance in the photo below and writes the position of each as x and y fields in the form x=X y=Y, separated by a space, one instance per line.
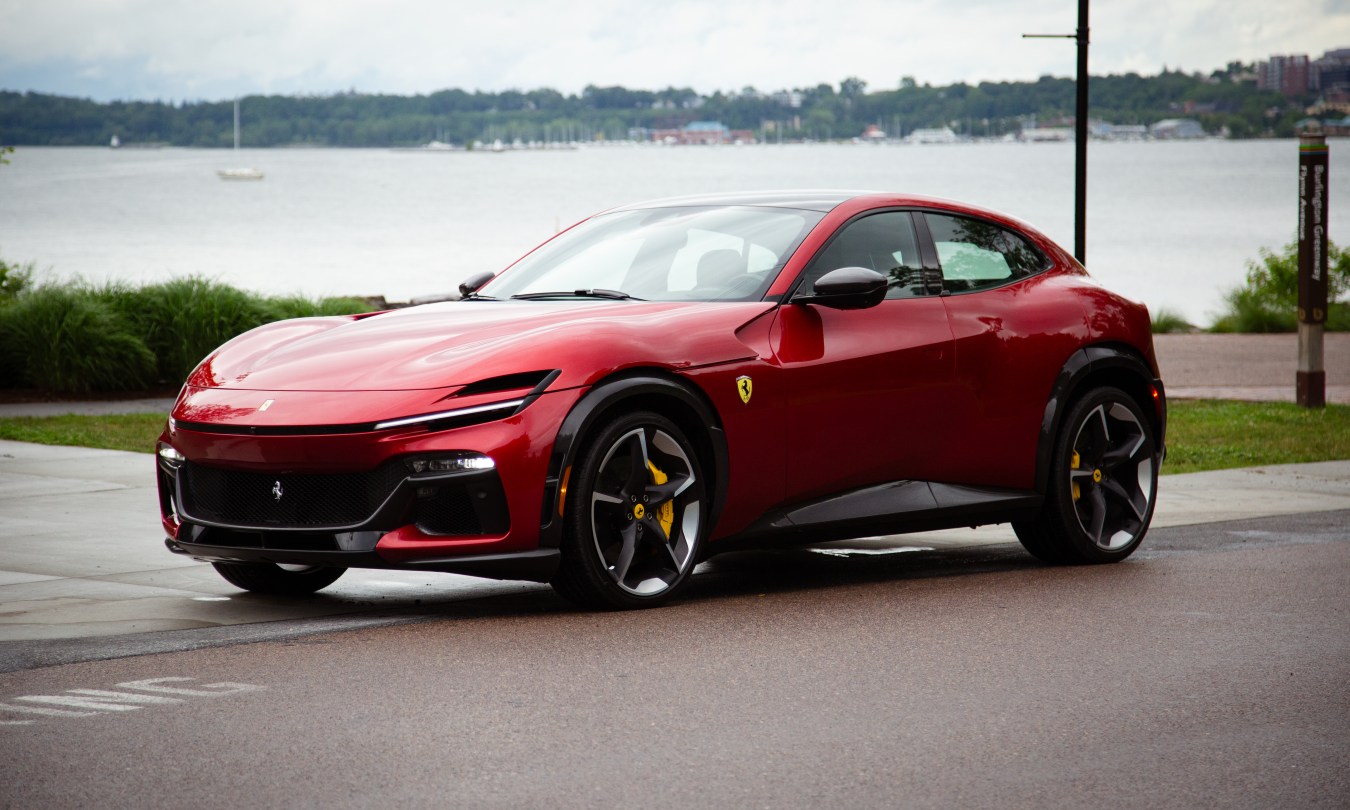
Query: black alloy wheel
x=636 y=511
x=1103 y=486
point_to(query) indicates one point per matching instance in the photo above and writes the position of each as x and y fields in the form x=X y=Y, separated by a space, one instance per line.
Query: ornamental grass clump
x=62 y=338
x=295 y=306
x=184 y=320
x=72 y=337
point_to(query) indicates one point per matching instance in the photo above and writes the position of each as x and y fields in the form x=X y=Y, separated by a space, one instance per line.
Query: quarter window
x=977 y=255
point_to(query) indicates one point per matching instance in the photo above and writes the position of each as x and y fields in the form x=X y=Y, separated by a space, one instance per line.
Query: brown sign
x=1312 y=229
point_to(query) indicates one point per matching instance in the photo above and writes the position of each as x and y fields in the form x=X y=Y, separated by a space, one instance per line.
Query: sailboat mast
x=236 y=125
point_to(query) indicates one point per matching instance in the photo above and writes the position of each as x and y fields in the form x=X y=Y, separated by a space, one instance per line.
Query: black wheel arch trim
x=1081 y=366
x=613 y=391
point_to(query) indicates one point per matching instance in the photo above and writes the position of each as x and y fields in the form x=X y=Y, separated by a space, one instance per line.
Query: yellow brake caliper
x=1073 y=465
x=665 y=513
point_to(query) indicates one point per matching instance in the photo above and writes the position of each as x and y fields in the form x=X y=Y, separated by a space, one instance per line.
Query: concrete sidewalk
x=81 y=552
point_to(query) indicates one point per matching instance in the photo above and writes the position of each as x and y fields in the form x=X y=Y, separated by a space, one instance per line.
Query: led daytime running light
x=436 y=417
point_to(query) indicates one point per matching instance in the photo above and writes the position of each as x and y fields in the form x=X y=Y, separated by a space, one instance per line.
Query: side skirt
x=899 y=507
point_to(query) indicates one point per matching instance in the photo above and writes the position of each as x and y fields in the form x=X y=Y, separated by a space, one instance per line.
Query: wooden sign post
x=1311 y=381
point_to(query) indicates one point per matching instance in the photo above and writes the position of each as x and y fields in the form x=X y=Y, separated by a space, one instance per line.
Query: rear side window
x=977 y=255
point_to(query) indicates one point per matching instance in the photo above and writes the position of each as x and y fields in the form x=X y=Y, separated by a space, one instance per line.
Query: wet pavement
x=83 y=555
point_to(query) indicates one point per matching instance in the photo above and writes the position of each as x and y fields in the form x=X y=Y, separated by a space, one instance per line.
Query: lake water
x=1169 y=223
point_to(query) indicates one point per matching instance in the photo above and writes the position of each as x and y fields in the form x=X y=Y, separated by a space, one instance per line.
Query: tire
x=276 y=580
x=1103 y=484
x=636 y=513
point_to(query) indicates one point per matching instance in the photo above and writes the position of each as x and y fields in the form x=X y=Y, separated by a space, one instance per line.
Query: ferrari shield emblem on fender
x=744 y=387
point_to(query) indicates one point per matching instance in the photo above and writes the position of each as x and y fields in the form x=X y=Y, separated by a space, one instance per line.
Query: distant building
x=705 y=133
x=698 y=132
x=936 y=135
x=1046 y=134
x=1331 y=78
x=873 y=134
x=1290 y=75
x=1177 y=129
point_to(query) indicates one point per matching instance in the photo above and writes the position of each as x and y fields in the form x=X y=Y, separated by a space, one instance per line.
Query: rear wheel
x=278 y=580
x=1103 y=483
x=636 y=512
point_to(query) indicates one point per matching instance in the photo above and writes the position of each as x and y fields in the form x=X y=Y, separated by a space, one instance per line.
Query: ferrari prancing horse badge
x=744 y=387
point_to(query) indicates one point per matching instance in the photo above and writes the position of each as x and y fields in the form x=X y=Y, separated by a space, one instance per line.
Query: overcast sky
x=207 y=49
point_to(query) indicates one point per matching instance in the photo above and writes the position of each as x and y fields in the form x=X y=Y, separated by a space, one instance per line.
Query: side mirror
x=847 y=288
x=473 y=282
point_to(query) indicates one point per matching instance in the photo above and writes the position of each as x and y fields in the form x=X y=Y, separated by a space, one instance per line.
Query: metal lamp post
x=1080 y=131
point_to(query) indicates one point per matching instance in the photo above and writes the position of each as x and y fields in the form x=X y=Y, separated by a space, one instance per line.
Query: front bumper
x=215 y=505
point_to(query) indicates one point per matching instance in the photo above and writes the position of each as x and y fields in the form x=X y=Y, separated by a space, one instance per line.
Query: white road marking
x=98 y=701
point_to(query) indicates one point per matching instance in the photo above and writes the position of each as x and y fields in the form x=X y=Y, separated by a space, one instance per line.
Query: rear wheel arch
x=653 y=390
x=1102 y=365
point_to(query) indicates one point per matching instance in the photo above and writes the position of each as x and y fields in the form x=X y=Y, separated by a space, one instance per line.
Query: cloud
x=213 y=49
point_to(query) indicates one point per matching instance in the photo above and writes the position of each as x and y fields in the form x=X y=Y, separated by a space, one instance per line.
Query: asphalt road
x=1209 y=670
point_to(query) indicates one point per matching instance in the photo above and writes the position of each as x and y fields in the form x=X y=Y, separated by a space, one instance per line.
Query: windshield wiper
x=597 y=292
x=474 y=296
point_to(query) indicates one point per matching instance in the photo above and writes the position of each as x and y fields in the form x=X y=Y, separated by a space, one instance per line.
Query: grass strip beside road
x=1201 y=435
x=1216 y=434
x=136 y=432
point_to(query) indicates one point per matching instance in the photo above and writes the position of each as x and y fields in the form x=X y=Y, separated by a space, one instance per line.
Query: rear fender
x=1090 y=367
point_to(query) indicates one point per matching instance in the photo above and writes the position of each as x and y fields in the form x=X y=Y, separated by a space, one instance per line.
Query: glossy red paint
x=940 y=388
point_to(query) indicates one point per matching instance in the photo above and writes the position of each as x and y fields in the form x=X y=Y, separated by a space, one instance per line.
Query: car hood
x=458 y=343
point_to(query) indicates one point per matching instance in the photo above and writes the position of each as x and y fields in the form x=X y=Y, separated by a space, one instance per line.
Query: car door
x=1014 y=327
x=865 y=389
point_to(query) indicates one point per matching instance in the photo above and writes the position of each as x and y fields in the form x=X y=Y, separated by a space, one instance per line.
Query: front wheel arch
x=652 y=390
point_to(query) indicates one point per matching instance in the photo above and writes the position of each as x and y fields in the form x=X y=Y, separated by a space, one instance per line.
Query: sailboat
x=238 y=174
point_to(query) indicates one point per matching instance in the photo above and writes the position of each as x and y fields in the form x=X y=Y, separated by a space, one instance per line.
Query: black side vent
x=507 y=382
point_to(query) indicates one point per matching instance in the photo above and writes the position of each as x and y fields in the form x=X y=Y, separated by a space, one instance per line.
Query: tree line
x=823 y=112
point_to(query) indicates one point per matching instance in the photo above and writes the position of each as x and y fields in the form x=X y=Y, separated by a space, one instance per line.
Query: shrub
x=184 y=320
x=1268 y=302
x=66 y=339
x=14 y=279
x=1166 y=321
x=73 y=337
x=297 y=307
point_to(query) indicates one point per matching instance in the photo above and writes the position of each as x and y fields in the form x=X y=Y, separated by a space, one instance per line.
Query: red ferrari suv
x=665 y=380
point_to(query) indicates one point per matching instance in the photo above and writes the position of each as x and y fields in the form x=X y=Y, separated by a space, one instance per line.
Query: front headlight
x=450 y=462
x=170 y=456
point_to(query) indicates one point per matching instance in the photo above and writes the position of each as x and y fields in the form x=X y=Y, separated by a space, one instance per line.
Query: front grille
x=289 y=500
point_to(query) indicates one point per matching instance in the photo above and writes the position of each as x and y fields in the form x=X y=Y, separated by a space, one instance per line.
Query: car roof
x=811 y=200
x=822 y=200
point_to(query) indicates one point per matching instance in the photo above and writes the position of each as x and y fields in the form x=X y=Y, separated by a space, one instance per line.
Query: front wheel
x=636 y=513
x=1102 y=486
x=278 y=580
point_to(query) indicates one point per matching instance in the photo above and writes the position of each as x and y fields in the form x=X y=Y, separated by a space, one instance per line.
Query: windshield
x=722 y=253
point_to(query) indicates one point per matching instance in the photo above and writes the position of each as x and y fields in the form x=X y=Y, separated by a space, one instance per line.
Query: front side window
x=705 y=253
x=977 y=255
x=882 y=242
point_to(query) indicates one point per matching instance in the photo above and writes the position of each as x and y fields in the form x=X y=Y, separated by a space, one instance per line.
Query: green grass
x=1220 y=434
x=1201 y=435
x=136 y=431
